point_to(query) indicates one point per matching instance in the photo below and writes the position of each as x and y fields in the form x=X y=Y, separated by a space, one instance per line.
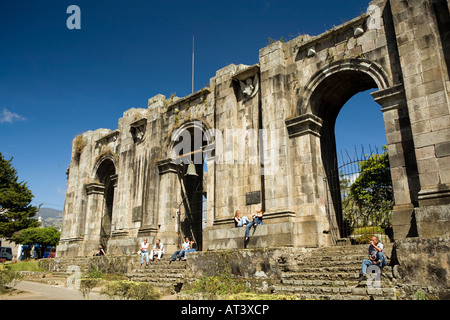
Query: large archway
x=188 y=152
x=327 y=93
x=106 y=176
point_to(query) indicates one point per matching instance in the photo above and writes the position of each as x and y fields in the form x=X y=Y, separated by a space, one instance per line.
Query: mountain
x=51 y=217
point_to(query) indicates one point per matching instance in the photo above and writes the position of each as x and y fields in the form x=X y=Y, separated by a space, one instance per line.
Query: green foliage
x=364 y=234
x=29 y=265
x=8 y=277
x=370 y=199
x=94 y=273
x=131 y=290
x=78 y=145
x=86 y=286
x=218 y=285
x=259 y=296
x=42 y=236
x=368 y=230
x=273 y=41
x=16 y=211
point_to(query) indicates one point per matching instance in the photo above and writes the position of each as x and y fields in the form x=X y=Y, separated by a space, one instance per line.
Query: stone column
x=95 y=201
x=422 y=28
x=169 y=204
x=309 y=192
x=402 y=159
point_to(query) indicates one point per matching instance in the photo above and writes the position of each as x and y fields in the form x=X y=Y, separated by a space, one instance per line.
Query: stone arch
x=105 y=176
x=102 y=161
x=192 y=126
x=325 y=94
x=188 y=146
x=342 y=73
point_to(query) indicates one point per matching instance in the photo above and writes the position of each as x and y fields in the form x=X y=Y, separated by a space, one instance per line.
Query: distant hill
x=51 y=217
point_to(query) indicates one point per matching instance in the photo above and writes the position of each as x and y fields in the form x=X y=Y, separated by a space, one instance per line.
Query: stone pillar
x=95 y=201
x=312 y=223
x=169 y=204
x=422 y=28
x=402 y=159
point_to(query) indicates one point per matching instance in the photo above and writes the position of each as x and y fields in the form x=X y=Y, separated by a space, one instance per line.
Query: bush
x=364 y=234
x=8 y=278
x=94 y=273
x=131 y=290
x=86 y=286
x=218 y=285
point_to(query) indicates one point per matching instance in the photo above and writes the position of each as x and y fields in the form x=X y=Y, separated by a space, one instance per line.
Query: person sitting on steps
x=257 y=220
x=193 y=247
x=376 y=257
x=178 y=254
x=240 y=221
x=158 y=250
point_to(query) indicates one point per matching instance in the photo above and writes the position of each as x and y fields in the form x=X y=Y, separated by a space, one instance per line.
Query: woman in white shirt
x=144 y=251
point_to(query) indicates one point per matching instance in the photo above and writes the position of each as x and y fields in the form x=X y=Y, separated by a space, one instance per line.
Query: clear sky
x=56 y=83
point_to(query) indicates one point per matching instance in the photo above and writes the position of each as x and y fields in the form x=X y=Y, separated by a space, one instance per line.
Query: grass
x=27 y=265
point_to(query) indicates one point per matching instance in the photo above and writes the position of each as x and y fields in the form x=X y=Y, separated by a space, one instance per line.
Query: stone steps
x=167 y=277
x=329 y=273
x=332 y=274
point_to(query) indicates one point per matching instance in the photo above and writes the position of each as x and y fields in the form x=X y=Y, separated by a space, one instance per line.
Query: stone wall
x=423 y=265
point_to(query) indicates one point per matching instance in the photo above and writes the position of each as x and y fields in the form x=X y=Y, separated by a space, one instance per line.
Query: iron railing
x=359 y=203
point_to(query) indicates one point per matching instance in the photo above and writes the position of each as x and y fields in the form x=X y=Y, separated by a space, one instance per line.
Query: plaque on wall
x=252 y=198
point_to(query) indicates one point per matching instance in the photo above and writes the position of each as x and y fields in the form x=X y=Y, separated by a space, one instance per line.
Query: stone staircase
x=167 y=277
x=331 y=273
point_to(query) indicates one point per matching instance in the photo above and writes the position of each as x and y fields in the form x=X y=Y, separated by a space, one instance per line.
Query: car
x=6 y=253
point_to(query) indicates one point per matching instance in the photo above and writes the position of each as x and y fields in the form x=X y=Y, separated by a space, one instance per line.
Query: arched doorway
x=188 y=152
x=106 y=176
x=327 y=93
x=366 y=189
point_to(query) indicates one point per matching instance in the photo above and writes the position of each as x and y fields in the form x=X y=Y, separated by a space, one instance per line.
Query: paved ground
x=29 y=290
x=40 y=291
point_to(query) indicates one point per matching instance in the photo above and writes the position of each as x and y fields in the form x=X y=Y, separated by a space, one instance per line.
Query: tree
x=372 y=190
x=16 y=211
x=43 y=237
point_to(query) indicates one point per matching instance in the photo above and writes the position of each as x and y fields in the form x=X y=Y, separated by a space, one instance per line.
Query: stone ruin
x=263 y=136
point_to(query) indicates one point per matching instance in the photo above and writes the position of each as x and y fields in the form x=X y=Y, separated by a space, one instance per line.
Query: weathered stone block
x=423 y=263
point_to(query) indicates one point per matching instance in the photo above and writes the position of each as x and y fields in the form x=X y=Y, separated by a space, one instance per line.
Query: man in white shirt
x=144 y=251
x=376 y=257
x=178 y=254
x=158 y=249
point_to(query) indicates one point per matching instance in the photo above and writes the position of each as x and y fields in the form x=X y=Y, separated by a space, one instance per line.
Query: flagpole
x=192 y=63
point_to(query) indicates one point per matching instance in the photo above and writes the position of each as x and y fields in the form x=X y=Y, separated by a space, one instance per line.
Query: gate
x=360 y=197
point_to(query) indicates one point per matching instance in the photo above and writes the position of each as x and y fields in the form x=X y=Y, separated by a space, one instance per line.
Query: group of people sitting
x=158 y=251
x=244 y=221
x=375 y=249
x=189 y=246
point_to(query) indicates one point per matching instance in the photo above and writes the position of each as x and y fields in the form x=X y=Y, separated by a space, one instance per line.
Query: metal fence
x=360 y=197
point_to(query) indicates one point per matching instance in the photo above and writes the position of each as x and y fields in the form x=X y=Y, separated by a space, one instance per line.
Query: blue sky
x=56 y=83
